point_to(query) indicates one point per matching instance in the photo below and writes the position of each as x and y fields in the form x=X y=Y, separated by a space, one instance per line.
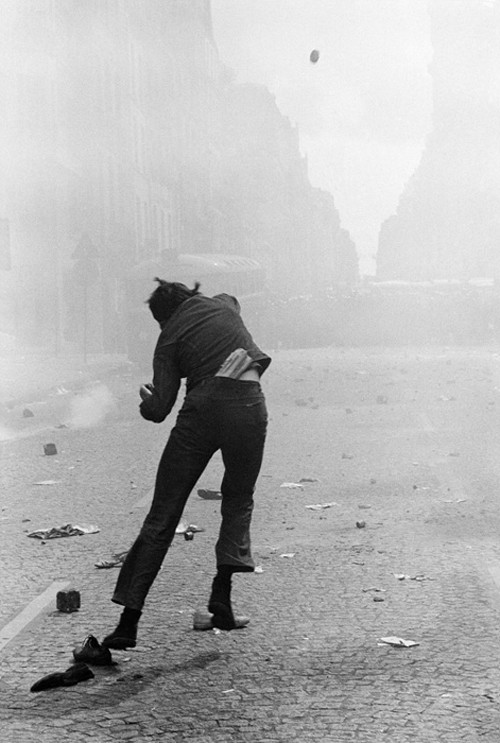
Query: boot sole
x=119 y=643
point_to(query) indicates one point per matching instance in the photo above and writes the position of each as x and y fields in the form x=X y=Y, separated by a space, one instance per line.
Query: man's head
x=167 y=296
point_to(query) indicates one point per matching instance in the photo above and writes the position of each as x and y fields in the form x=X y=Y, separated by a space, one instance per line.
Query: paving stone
x=310 y=652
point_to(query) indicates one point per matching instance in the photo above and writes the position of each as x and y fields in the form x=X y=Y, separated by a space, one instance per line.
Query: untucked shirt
x=193 y=344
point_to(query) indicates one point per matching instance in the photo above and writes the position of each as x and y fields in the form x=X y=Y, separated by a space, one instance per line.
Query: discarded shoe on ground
x=203 y=620
x=93 y=653
x=73 y=675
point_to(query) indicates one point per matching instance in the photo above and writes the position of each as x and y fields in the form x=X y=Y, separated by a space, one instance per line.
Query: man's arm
x=164 y=390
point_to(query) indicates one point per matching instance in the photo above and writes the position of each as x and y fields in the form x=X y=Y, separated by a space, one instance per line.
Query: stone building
x=265 y=205
x=124 y=138
x=447 y=224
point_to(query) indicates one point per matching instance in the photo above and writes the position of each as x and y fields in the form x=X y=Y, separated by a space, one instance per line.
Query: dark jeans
x=220 y=413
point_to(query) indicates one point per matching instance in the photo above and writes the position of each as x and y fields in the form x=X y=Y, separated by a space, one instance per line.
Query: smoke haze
x=92 y=407
x=363 y=110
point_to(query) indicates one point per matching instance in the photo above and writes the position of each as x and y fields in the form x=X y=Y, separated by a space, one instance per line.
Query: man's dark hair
x=167 y=296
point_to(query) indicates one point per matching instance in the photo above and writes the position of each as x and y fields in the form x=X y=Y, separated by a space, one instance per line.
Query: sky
x=363 y=110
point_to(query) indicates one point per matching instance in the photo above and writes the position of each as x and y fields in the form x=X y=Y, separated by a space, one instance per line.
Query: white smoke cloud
x=5 y=434
x=92 y=407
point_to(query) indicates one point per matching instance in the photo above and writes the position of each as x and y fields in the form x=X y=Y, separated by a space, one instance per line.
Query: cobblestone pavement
x=405 y=441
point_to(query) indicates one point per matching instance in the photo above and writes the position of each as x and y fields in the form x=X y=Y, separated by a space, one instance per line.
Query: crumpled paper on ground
x=183 y=527
x=321 y=506
x=398 y=642
x=115 y=562
x=68 y=530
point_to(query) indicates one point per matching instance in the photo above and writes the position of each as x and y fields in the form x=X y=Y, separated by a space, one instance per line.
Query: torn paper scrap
x=183 y=527
x=398 y=642
x=68 y=530
x=320 y=506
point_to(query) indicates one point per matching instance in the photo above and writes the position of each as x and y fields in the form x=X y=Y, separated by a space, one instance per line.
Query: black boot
x=220 y=599
x=125 y=635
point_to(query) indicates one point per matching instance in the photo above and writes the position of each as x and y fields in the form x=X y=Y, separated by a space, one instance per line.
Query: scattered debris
x=373 y=588
x=291 y=485
x=49 y=449
x=419 y=577
x=210 y=494
x=308 y=479
x=202 y=620
x=68 y=601
x=398 y=642
x=73 y=675
x=47 y=482
x=320 y=506
x=68 y=530
x=456 y=500
x=115 y=562
x=288 y=554
x=184 y=528
x=92 y=652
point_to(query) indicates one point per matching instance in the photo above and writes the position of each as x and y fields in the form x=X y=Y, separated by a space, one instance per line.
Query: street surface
x=406 y=441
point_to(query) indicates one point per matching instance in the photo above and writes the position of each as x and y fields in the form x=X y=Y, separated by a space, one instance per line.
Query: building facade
x=447 y=224
x=125 y=138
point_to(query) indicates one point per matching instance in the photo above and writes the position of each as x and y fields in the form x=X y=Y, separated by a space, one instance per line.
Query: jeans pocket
x=257 y=413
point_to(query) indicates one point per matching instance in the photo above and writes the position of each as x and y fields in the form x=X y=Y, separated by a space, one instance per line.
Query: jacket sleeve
x=166 y=383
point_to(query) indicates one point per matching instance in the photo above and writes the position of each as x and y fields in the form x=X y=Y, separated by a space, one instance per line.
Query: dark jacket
x=193 y=343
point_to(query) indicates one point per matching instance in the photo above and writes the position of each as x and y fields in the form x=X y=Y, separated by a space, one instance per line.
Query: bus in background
x=230 y=274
